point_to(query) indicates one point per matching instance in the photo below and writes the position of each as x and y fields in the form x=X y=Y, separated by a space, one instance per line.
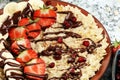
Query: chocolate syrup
x=67 y=33
x=13 y=64
x=34 y=75
x=27 y=12
x=14 y=75
x=69 y=22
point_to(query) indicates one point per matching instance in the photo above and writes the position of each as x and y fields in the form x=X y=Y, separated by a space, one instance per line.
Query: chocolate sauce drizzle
x=67 y=33
x=15 y=75
x=13 y=21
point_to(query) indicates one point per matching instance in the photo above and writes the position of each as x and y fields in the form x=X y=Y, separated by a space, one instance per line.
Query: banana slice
x=1 y=45
x=12 y=66
x=21 y=6
x=4 y=36
x=5 y=54
x=36 y=4
x=10 y=8
x=3 y=17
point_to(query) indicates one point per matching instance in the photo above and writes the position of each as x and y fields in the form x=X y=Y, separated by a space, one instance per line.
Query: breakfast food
x=45 y=42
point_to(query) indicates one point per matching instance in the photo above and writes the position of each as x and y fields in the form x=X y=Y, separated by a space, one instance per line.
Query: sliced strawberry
x=17 y=33
x=20 y=45
x=46 y=22
x=35 y=69
x=43 y=13
x=33 y=30
x=26 y=56
x=46 y=17
x=24 y=21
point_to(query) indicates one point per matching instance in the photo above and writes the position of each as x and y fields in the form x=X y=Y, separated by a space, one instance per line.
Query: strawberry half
x=43 y=13
x=35 y=69
x=26 y=56
x=46 y=17
x=46 y=22
x=33 y=30
x=17 y=33
x=20 y=45
x=24 y=21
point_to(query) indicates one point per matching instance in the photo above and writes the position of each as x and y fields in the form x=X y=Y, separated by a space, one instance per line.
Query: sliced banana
x=10 y=8
x=1 y=45
x=12 y=66
x=36 y=4
x=4 y=36
x=3 y=17
x=21 y=6
x=5 y=54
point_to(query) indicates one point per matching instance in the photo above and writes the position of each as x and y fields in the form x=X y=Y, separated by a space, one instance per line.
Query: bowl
x=107 y=57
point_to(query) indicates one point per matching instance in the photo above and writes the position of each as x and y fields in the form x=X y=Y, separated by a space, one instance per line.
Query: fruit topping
x=66 y=24
x=20 y=45
x=46 y=22
x=46 y=17
x=5 y=54
x=115 y=46
x=23 y=22
x=81 y=59
x=17 y=33
x=26 y=56
x=86 y=43
x=33 y=30
x=51 y=65
x=60 y=40
x=45 y=13
x=13 y=70
x=35 y=69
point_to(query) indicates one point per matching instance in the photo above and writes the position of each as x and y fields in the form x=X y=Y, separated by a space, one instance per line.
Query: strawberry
x=20 y=44
x=33 y=30
x=24 y=21
x=17 y=33
x=46 y=22
x=26 y=56
x=35 y=67
x=46 y=17
x=45 y=13
x=115 y=46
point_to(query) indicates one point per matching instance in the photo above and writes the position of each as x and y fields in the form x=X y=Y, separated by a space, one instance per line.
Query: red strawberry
x=19 y=45
x=26 y=56
x=45 y=13
x=44 y=22
x=35 y=67
x=24 y=21
x=33 y=30
x=17 y=33
x=46 y=17
x=115 y=46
